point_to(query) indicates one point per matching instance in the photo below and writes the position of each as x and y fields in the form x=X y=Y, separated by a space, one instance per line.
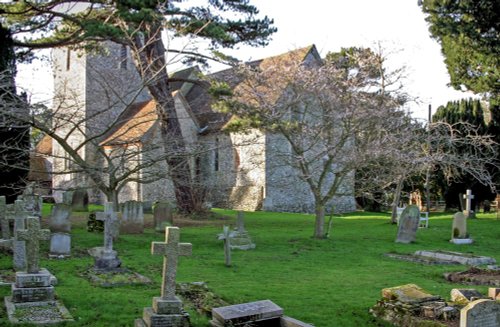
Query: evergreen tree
x=14 y=140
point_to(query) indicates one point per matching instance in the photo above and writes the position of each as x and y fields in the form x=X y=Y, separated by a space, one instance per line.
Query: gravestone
x=480 y=313
x=464 y=296
x=162 y=215
x=132 y=221
x=248 y=314
x=33 y=288
x=60 y=227
x=6 y=215
x=67 y=197
x=18 y=245
x=494 y=293
x=107 y=259
x=408 y=225
x=459 y=230
x=462 y=258
x=167 y=309
x=80 y=200
x=468 y=212
x=240 y=239
x=32 y=202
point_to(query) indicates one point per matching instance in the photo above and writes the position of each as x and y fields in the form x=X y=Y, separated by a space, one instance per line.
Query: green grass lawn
x=327 y=283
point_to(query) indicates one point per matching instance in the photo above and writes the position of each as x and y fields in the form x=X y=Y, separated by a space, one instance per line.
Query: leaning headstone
x=80 y=200
x=19 y=245
x=408 y=225
x=107 y=259
x=459 y=230
x=60 y=227
x=162 y=215
x=480 y=313
x=132 y=221
x=167 y=309
x=247 y=314
x=33 y=287
x=468 y=212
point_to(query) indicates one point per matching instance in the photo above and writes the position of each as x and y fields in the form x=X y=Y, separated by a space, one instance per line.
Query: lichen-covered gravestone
x=167 y=309
x=162 y=215
x=18 y=245
x=408 y=225
x=132 y=221
x=481 y=313
x=60 y=227
x=459 y=233
x=33 y=287
x=80 y=200
x=32 y=202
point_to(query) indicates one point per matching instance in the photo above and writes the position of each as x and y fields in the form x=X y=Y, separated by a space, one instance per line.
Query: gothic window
x=216 y=155
x=123 y=57
x=68 y=59
x=236 y=155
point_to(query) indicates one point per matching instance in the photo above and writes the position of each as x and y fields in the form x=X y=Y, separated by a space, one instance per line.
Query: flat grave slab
x=462 y=258
x=37 y=313
x=115 y=277
x=241 y=314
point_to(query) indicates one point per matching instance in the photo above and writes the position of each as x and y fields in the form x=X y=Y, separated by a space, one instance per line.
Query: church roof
x=44 y=146
x=137 y=119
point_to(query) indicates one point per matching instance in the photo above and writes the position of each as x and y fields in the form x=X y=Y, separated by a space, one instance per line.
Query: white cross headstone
x=171 y=249
x=468 y=204
x=32 y=236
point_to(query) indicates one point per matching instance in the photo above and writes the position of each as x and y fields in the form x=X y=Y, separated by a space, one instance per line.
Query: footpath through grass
x=324 y=282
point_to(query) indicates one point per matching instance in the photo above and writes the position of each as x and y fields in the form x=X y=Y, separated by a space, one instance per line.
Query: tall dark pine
x=14 y=138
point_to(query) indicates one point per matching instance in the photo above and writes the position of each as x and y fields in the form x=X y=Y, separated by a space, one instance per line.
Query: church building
x=105 y=95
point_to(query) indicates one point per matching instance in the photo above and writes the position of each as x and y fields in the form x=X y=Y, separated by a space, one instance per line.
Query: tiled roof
x=44 y=146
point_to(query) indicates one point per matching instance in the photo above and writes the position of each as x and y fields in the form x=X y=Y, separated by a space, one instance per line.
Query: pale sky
x=398 y=24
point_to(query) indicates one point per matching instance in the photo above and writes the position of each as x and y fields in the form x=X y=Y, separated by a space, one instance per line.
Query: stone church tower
x=90 y=91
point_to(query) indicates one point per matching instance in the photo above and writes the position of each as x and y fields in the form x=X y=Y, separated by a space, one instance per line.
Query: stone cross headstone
x=162 y=215
x=469 y=213
x=226 y=236
x=480 y=313
x=132 y=221
x=107 y=259
x=171 y=249
x=459 y=229
x=60 y=227
x=18 y=245
x=240 y=222
x=408 y=225
x=32 y=236
x=167 y=309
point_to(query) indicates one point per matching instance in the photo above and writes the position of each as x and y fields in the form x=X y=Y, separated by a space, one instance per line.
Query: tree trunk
x=319 y=227
x=150 y=59
x=395 y=203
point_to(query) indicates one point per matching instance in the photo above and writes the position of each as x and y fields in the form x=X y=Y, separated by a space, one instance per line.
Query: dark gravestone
x=408 y=225
x=162 y=215
x=260 y=313
x=80 y=200
x=480 y=313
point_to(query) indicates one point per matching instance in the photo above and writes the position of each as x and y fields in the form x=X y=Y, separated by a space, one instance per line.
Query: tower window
x=123 y=57
x=216 y=155
x=68 y=59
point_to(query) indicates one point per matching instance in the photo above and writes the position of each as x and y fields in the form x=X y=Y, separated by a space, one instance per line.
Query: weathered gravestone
x=33 y=287
x=80 y=200
x=480 y=313
x=494 y=293
x=60 y=227
x=167 y=309
x=132 y=221
x=464 y=296
x=226 y=237
x=240 y=239
x=32 y=202
x=247 y=314
x=162 y=215
x=459 y=230
x=408 y=225
x=107 y=259
x=6 y=215
x=19 y=245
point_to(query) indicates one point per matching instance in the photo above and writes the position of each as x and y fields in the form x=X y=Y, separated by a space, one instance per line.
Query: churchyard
x=326 y=283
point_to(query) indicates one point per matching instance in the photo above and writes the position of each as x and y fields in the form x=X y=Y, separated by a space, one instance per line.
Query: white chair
x=424 y=220
x=399 y=211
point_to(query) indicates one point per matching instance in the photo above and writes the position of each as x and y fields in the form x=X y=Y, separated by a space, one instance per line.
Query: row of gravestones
x=410 y=219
